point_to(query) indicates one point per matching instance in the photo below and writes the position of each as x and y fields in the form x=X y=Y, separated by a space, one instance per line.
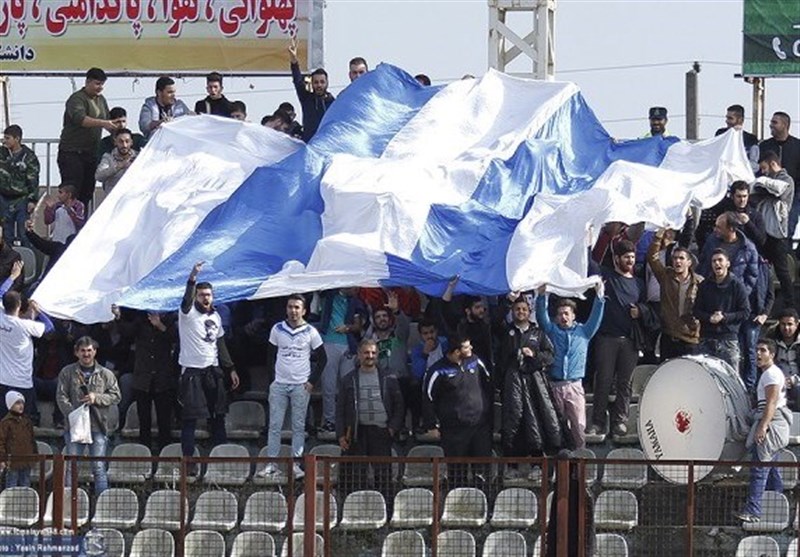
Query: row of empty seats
x=157 y=542
x=269 y=510
x=414 y=474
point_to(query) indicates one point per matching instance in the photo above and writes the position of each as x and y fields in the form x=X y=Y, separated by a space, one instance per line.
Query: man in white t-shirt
x=16 y=349
x=298 y=356
x=769 y=432
x=202 y=390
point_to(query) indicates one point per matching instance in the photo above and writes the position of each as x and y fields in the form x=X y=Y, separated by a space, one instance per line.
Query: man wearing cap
x=658 y=122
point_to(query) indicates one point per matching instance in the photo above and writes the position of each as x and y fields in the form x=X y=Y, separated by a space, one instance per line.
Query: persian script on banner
x=157 y=36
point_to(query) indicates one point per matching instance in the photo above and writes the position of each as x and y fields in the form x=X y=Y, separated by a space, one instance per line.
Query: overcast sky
x=625 y=55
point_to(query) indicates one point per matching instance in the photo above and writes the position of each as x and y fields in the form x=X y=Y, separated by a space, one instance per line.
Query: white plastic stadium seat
x=758 y=546
x=204 y=543
x=130 y=471
x=420 y=474
x=774 y=514
x=153 y=543
x=514 y=507
x=225 y=472
x=299 y=511
x=456 y=543
x=625 y=476
x=19 y=506
x=163 y=510
x=245 y=420
x=616 y=510
x=215 y=510
x=641 y=375
x=116 y=508
x=169 y=472
x=789 y=474
x=363 y=510
x=297 y=546
x=505 y=544
x=406 y=543
x=83 y=508
x=253 y=544
x=265 y=510
x=413 y=508
x=611 y=545
x=464 y=507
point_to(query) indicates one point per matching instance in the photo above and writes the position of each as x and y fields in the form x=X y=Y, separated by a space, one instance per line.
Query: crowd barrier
x=400 y=506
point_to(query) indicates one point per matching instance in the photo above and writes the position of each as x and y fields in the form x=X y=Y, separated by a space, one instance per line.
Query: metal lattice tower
x=505 y=45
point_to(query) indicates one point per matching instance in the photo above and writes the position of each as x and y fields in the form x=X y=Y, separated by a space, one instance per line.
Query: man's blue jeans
x=762 y=479
x=281 y=396
x=18 y=478
x=748 y=337
x=96 y=450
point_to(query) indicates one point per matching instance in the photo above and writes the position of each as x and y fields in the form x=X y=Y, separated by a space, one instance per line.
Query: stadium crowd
x=389 y=363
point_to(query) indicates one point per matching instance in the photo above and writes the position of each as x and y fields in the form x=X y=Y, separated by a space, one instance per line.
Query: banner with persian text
x=146 y=37
x=771 y=38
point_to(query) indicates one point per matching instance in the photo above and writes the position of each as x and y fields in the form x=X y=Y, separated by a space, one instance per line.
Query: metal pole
x=759 y=94
x=692 y=103
x=310 y=511
x=6 y=101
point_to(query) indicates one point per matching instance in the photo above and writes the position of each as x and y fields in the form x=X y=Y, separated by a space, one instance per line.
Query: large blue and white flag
x=499 y=180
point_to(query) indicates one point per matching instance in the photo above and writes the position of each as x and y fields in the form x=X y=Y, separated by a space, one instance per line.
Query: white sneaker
x=268 y=470
x=298 y=472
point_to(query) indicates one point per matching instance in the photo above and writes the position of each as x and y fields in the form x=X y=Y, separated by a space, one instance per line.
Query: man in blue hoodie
x=570 y=341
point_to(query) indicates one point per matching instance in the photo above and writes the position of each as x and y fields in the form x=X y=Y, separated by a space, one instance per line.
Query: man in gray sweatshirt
x=773 y=191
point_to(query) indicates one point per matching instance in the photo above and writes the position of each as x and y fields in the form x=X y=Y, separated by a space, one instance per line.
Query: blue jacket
x=419 y=360
x=743 y=256
x=570 y=345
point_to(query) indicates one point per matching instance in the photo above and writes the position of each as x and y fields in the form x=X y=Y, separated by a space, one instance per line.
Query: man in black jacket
x=721 y=306
x=616 y=346
x=369 y=411
x=525 y=350
x=458 y=391
x=314 y=103
x=751 y=223
x=155 y=375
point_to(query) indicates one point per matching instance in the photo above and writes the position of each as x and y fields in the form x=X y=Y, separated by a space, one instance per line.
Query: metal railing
x=432 y=504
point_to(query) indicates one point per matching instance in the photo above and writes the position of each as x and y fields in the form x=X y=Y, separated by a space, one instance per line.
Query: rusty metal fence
x=402 y=506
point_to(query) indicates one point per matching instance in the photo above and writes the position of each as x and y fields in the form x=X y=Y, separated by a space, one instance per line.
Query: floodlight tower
x=538 y=45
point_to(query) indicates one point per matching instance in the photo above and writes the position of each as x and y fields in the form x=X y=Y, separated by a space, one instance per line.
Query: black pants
x=78 y=168
x=466 y=441
x=202 y=395
x=776 y=252
x=163 y=402
x=672 y=347
x=614 y=360
x=370 y=441
x=412 y=396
